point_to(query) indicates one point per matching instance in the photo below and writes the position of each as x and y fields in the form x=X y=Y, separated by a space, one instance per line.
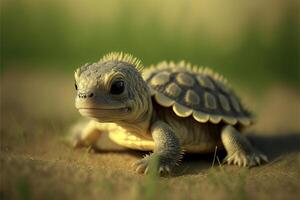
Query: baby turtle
x=169 y=109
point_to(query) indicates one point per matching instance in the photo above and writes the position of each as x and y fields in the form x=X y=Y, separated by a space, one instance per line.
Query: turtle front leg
x=167 y=151
x=86 y=135
x=239 y=150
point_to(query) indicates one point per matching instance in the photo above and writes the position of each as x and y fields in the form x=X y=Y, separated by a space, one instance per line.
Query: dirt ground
x=37 y=110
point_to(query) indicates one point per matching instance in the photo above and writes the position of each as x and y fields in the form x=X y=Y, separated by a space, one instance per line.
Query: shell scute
x=185 y=79
x=210 y=101
x=197 y=92
x=235 y=104
x=200 y=116
x=224 y=102
x=182 y=111
x=164 y=100
x=229 y=120
x=160 y=78
x=191 y=98
x=173 y=90
x=205 y=82
x=215 y=119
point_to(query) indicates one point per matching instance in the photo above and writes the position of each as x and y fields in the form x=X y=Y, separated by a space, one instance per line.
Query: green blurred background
x=255 y=43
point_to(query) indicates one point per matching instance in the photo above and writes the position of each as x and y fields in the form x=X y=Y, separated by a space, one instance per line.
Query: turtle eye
x=76 y=88
x=117 y=87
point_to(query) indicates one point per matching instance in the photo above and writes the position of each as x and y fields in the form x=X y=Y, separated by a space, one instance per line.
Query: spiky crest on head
x=114 y=56
x=123 y=57
x=79 y=70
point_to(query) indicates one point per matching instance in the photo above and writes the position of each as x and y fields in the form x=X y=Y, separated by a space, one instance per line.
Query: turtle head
x=112 y=89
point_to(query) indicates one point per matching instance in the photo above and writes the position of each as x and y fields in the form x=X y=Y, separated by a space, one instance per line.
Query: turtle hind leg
x=239 y=149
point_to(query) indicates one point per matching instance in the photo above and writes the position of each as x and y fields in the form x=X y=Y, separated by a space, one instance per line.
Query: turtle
x=168 y=109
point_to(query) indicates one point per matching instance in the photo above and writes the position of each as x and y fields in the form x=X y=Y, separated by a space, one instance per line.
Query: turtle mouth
x=104 y=113
x=125 y=109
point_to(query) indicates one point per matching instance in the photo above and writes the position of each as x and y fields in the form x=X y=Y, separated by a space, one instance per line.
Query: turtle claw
x=74 y=140
x=91 y=149
x=246 y=160
x=76 y=144
x=141 y=166
x=164 y=170
x=145 y=166
x=141 y=169
x=146 y=170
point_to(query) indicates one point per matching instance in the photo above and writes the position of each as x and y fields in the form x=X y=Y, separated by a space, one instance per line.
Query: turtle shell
x=197 y=92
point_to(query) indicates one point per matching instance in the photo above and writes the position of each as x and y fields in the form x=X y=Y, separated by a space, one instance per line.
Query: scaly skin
x=114 y=95
x=239 y=150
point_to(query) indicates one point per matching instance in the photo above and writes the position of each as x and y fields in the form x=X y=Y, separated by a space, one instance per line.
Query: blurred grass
x=255 y=44
x=23 y=189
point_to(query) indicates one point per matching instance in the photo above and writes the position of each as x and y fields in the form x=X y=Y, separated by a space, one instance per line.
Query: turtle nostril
x=84 y=95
